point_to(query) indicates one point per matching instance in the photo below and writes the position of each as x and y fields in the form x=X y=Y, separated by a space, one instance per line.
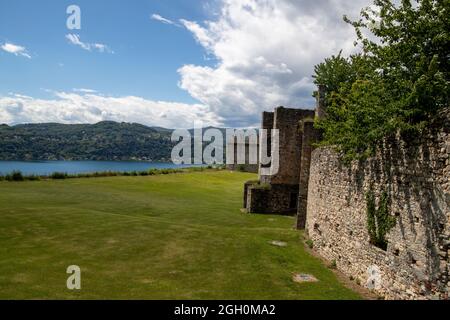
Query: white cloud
x=83 y=90
x=76 y=40
x=159 y=18
x=266 y=51
x=92 y=107
x=15 y=49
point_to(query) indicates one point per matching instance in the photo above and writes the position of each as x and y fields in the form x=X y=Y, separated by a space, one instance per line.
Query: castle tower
x=278 y=192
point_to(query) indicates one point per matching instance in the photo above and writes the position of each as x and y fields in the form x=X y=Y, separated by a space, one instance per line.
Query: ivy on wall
x=379 y=221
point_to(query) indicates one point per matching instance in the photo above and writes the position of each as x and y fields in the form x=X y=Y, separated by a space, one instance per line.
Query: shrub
x=15 y=176
x=195 y=169
x=33 y=178
x=333 y=264
x=109 y=174
x=309 y=243
x=58 y=175
x=169 y=171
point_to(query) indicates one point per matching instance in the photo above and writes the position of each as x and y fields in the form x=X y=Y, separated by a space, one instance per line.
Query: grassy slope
x=178 y=236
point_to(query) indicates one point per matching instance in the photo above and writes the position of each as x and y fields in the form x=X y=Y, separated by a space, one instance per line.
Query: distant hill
x=102 y=141
x=107 y=140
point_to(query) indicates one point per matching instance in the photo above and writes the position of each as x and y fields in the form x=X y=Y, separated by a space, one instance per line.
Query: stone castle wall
x=278 y=193
x=416 y=175
x=288 y=122
x=310 y=135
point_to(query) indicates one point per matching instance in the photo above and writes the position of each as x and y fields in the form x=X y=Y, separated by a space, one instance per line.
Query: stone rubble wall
x=278 y=193
x=288 y=122
x=271 y=199
x=416 y=175
x=310 y=135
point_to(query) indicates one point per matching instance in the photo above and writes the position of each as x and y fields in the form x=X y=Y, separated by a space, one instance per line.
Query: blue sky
x=165 y=63
x=147 y=54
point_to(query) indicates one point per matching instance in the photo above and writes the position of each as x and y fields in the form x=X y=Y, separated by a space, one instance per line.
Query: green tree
x=334 y=73
x=398 y=81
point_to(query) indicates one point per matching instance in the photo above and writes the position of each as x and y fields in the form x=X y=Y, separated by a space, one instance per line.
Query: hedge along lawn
x=179 y=236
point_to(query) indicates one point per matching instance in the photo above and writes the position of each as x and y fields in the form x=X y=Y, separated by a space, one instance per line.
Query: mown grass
x=179 y=236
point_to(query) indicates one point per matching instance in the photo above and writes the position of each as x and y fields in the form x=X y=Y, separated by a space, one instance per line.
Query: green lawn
x=179 y=236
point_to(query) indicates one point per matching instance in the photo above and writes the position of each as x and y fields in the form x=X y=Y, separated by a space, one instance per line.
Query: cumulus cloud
x=266 y=51
x=91 y=108
x=76 y=40
x=15 y=49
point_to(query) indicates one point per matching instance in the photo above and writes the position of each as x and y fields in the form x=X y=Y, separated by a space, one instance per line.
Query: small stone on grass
x=303 y=277
x=278 y=243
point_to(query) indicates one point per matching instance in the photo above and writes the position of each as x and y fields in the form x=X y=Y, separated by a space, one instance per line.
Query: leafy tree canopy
x=396 y=83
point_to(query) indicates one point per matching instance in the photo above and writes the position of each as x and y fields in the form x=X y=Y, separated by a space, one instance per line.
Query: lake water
x=75 y=167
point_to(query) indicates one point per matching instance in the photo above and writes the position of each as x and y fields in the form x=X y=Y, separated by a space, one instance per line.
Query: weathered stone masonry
x=416 y=175
x=279 y=193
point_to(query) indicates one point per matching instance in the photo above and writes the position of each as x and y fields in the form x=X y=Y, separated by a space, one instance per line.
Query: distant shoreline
x=17 y=176
x=75 y=167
